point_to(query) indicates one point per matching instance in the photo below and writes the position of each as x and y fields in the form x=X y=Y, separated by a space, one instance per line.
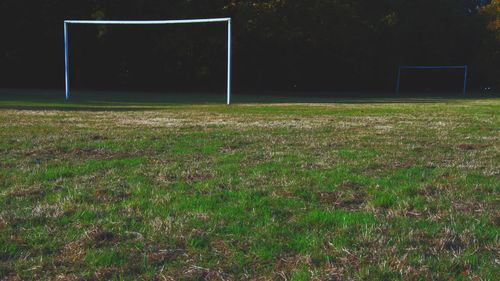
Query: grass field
x=364 y=190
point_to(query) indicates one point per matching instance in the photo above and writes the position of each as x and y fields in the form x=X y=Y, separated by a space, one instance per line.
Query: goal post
x=146 y=22
x=404 y=67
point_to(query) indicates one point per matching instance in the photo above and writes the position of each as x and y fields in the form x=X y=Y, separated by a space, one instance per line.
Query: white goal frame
x=146 y=22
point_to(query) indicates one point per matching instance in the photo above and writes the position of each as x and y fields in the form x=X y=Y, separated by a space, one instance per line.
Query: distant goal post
x=146 y=22
x=465 y=69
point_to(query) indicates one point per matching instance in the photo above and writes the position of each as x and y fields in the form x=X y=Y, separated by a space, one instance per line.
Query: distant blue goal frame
x=464 y=67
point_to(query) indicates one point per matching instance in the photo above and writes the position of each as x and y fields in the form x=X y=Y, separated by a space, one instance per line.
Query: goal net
x=444 y=79
x=158 y=41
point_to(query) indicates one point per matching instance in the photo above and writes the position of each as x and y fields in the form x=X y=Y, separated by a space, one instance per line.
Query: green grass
x=361 y=189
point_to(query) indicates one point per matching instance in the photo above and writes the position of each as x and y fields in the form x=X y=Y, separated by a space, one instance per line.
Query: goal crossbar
x=147 y=22
x=464 y=67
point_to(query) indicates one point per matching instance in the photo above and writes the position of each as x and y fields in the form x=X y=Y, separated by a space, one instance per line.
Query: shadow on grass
x=138 y=101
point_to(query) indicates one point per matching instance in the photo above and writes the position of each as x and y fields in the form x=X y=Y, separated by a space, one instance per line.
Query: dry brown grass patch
x=35 y=191
x=95 y=237
x=69 y=277
x=195 y=175
x=161 y=256
x=345 y=200
x=107 y=273
x=449 y=240
x=97 y=137
x=109 y=195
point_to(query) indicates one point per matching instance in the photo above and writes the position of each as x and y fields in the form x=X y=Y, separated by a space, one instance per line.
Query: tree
x=283 y=45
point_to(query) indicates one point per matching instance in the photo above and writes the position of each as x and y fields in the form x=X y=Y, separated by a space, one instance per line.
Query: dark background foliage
x=304 y=45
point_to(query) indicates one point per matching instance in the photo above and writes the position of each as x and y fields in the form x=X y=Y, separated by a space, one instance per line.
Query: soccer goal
x=67 y=23
x=464 y=68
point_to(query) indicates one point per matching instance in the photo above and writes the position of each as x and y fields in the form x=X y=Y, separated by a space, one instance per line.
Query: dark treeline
x=319 y=45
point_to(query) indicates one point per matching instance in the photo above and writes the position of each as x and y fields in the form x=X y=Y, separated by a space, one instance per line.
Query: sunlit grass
x=363 y=190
